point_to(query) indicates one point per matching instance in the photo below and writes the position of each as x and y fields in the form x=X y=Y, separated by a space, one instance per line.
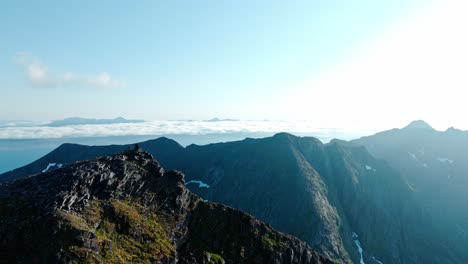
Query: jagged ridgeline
x=126 y=209
x=339 y=199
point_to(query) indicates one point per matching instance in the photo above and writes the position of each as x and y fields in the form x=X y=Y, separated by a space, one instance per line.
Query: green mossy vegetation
x=123 y=231
x=215 y=258
x=272 y=244
x=73 y=220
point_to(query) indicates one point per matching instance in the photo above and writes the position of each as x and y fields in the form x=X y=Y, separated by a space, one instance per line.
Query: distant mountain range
x=220 y=119
x=127 y=209
x=394 y=197
x=90 y=121
x=435 y=165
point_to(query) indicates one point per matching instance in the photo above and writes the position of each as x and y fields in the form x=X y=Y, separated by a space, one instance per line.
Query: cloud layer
x=173 y=128
x=39 y=74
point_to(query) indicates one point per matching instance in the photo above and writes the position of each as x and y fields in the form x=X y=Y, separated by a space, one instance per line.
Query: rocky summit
x=126 y=209
x=340 y=200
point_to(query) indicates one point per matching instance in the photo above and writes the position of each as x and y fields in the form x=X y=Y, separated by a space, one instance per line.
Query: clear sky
x=338 y=63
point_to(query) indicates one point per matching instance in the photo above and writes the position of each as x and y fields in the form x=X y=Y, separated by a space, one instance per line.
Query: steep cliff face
x=330 y=195
x=126 y=209
x=339 y=199
x=269 y=178
x=435 y=165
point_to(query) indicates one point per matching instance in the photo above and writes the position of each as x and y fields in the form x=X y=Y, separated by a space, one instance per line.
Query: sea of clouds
x=18 y=130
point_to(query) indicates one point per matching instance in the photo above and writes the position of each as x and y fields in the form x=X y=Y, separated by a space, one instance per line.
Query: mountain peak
x=453 y=129
x=419 y=124
x=125 y=208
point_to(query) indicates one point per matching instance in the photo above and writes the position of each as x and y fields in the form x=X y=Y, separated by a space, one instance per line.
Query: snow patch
x=200 y=184
x=445 y=160
x=370 y=168
x=415 y=158
x=51 y=166
x=376 y=260
x=358 y=245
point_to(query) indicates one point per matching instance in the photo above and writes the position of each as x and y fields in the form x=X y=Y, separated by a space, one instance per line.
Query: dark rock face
x=126 y=209
x=435 y=165
x=321 y=193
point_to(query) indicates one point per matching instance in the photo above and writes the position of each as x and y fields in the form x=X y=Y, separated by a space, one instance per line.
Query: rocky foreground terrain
x=126 y=209
x=343 y=202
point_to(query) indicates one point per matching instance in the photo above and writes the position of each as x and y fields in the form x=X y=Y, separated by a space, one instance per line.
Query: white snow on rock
x=416 y=158
x=445 y=160
x=370 y=168
x=51 y=166
x=358 y=245
x=412 y=155
x=200 y=184
x=360 y=250
x=376 y=260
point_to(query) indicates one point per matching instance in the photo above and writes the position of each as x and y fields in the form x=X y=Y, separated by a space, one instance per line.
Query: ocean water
x=15 y=153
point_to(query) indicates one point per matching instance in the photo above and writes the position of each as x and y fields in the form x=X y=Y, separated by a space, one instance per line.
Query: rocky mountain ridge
x=126 y=209
x=324 y=194
x=435 y=165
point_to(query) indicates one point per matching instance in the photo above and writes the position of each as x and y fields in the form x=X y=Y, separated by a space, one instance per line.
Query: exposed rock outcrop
x=126 y=209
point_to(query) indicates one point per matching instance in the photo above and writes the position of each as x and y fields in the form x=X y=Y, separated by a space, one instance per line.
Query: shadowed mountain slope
x=126 y=209
x=339 y=199
x=435 y=165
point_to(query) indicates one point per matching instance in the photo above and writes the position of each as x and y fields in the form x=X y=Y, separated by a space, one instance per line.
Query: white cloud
x=102 y=80
x=38 y=74
x=17 y=131
x=415 y=69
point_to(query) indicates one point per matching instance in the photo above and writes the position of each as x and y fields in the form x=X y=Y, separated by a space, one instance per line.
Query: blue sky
x=194 y=59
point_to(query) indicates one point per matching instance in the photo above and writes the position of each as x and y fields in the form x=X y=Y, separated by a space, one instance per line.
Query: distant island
x=220 y=119
x=90 y=121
